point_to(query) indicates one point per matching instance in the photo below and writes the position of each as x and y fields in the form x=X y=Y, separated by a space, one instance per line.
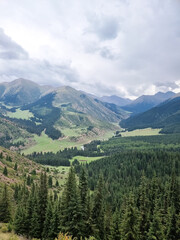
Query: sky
x=104 y=47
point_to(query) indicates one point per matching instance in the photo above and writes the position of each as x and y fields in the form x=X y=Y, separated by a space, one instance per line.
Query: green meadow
x=84 y=160
x=141 y=132
x=19 y=114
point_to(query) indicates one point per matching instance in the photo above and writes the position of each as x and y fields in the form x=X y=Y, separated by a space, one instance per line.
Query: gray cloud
x=128 y=48
x=105 y=27
x=10 y=49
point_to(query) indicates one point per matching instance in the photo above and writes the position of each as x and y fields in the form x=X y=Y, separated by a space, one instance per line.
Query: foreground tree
x=5 y=214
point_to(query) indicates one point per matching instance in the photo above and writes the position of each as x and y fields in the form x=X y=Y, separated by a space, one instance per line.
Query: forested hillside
x=132 y=194
x=165 y=116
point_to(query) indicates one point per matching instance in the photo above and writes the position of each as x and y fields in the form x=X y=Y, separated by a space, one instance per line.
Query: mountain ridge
x=146 y=102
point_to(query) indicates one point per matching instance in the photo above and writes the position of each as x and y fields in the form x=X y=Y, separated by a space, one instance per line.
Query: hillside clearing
x=84 y=160
x=141 y=132
x=19 y=114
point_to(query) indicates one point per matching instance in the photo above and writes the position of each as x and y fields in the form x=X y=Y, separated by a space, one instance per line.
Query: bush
x=4 y=229
x=14 y=237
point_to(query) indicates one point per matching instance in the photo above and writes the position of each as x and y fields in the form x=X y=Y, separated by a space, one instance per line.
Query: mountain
x=72 y=112
x=12 y=136
x=166 y=116
x=21 y=92
x=116 y=100
x=146 y=102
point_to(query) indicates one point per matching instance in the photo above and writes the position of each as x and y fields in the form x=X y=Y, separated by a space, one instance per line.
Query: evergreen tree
x=42 y=200
x=156 y=230
x=115 y=227
x=5 y=214
x=55 y=221
x=143 y=216
x=48 y=219
x=35 y=224
x=98 y=211
x=28 y=181
x=71 y=219
x=129 y=220
x=173 y=232
x=5 y=171
x=50 y=181
x=20 y=221
x=15 y=166
x=83 y=189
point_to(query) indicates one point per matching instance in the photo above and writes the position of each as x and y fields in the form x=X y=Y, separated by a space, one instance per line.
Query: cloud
x=128 y=48
x=105 y=27
x=10 y=49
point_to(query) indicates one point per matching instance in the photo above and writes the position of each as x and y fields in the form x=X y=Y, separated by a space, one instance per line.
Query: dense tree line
x=122 y=171
x=62 y=157
x=151 y=211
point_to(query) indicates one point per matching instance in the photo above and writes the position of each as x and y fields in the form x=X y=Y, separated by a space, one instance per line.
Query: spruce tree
x=83 y=189
x=42 y=200
x=5 y=214
x=48 y=218
x=50 y=181
x=143 y=216
x=129 y=220
x=15 y=166
x=20 y=221
x=156 y=230
x=115 y=227
x=71 y=218
x=5 y=171
x=98 y=211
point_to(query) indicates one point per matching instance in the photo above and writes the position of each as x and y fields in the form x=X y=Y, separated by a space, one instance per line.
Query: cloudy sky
x=104 y=47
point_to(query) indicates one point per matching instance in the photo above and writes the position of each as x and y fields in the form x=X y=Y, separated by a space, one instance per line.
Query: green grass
x=46 y=144
x=141 y=132
x=84 y=160
x=26 y=114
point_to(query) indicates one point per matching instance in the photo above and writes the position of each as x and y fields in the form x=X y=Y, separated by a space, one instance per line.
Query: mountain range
x=66 y=113
x=119 y=101
x=166 y=116
x=146 y=102
x=21 y=91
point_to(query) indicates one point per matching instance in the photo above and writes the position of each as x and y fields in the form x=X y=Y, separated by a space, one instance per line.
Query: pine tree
x=55 y=221
x=5 y=214
x=98 y=211
x=156 y=230
x=28 y=181
x=173 y=232
x=42 y=200
x=50 y=181
x=83 y=189
x=35 y=224
x=5 y=171
x=115 y=227
x=71 y=218
x=20 y=221
x=15 y=166
x=143 y=216
x=48 y=218
x=129 y=220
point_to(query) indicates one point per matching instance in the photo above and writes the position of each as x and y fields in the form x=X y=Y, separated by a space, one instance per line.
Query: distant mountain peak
x=115 y=100
x=146 y=102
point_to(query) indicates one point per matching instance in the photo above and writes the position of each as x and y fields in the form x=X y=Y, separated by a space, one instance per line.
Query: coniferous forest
x=130 y=195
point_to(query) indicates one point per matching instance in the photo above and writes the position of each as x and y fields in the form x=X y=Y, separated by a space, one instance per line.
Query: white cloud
x=104 y=47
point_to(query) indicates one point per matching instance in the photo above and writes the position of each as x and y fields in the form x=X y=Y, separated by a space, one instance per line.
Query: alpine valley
x=78 y=166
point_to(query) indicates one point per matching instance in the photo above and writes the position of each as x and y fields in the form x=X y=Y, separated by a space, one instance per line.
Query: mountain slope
x=74 y=113
x=166 y=116
x=115 y=100
x=21 y=92
x=11 y=135
x=146 y=102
